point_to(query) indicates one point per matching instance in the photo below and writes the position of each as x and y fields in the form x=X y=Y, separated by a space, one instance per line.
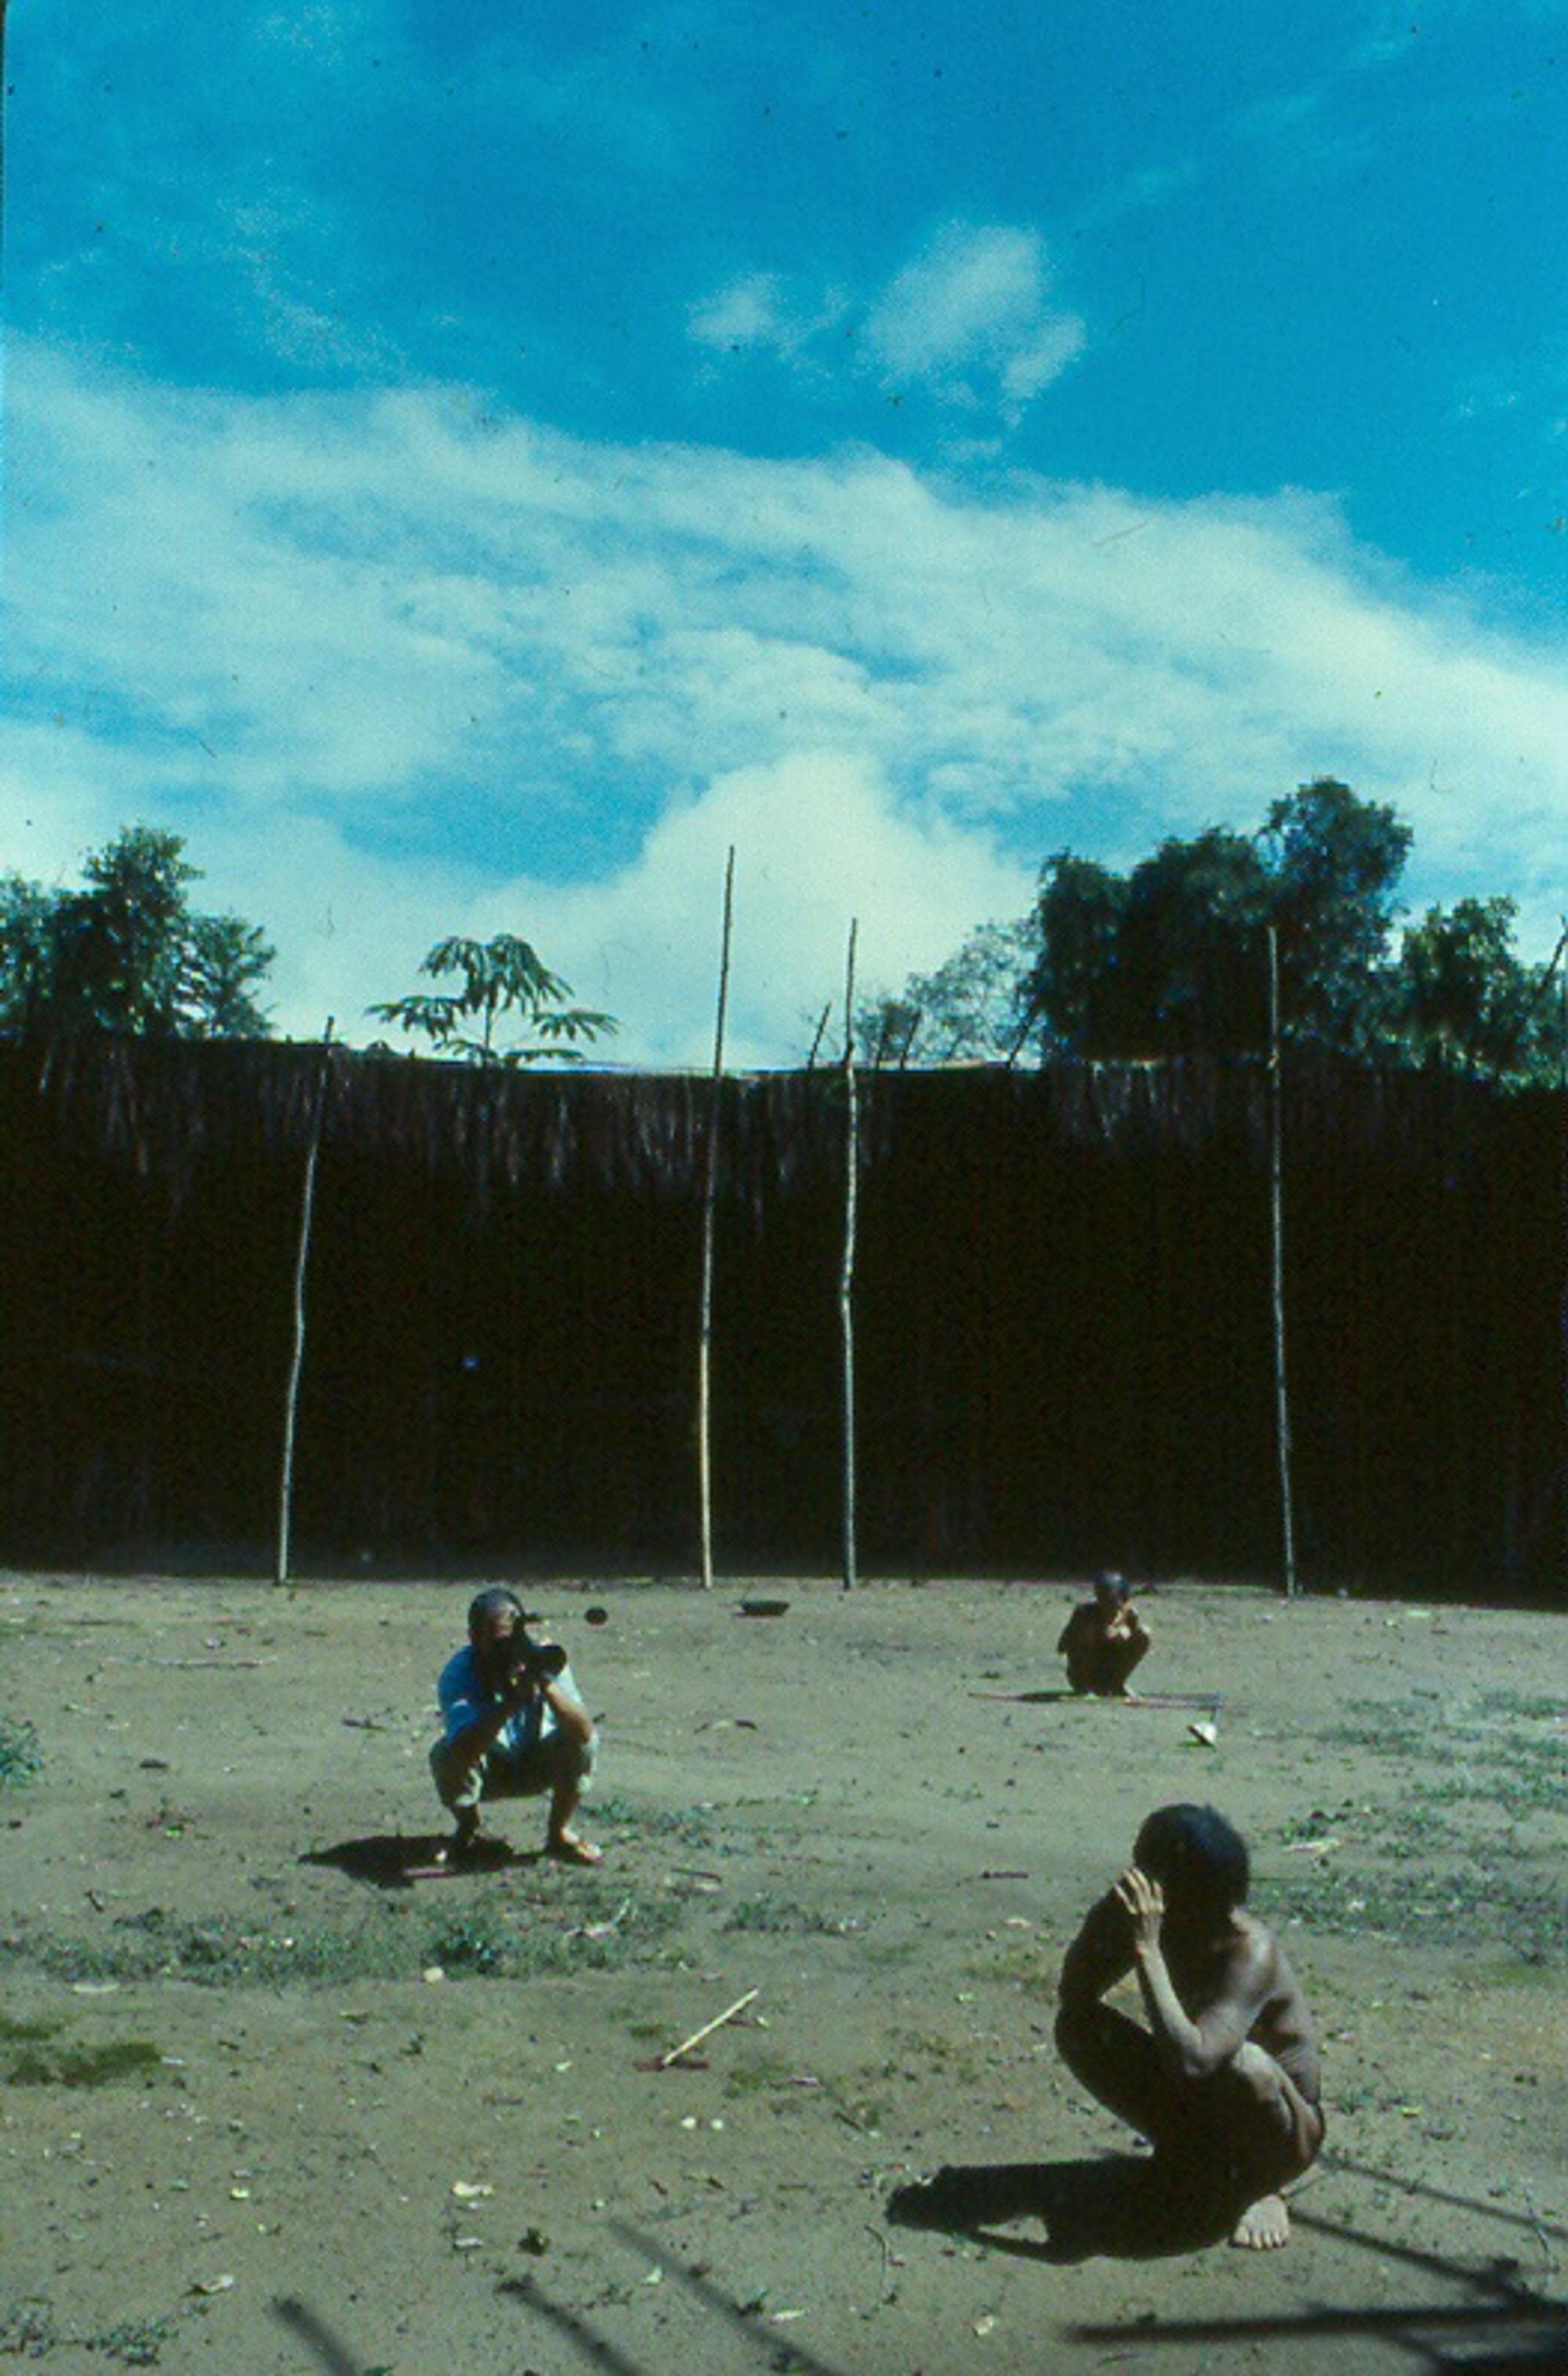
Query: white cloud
x=820 y=838
x=745 y=312
x=970 y=318
x=974 y=305
x=379 y=657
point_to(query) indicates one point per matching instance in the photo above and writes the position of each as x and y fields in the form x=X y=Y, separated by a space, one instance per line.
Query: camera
x=534 y=1662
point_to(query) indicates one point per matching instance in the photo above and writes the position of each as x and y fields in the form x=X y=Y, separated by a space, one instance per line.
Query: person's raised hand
x=1145 y=1902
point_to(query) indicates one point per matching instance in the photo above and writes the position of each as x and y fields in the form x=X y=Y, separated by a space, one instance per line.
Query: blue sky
x=466 y=469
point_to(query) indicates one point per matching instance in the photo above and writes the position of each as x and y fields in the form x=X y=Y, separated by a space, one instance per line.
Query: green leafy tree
x=1191 y=968
x=127 y=954
x=1174 y=956
x=965 y=1012
x=1073 y=990
x=1466 y=1001
x=1334 y=862
x=501 y=979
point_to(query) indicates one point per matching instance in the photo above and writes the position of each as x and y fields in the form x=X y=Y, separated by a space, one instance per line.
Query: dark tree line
x=1172 y=958
x=127 y=952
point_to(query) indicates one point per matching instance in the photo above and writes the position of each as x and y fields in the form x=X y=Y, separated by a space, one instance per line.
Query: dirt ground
x=272 y=2106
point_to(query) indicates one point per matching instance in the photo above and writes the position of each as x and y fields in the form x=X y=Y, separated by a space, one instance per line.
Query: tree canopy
x=126 y=953
x=1172 y=958
x=965 y=1012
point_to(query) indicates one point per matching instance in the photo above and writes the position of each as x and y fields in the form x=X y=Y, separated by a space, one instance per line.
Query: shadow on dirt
x=328 y=2349
x=1525 y=2339
x=1111 y=2208
x=761 y=2343
x=398 y=1860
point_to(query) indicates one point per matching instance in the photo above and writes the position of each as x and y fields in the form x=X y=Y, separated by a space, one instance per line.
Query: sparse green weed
x=29 y=2329
x=83 y=2066
x=21 y=1760
x=767 y=1912
x=221 y=1952
x=1441 y=1859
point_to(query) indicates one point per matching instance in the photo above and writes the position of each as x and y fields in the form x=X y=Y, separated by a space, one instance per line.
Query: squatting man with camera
x=514 y=1727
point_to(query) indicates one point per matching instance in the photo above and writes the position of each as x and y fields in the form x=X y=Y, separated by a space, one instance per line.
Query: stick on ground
x=706 y=2030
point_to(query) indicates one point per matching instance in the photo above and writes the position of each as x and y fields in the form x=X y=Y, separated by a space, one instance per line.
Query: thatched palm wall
x=1064 y=1344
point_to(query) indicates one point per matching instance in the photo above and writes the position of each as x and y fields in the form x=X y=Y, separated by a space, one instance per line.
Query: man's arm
x=1194 y=2048
x=571 y=1717
x=1098 y=1957
x=478 y=1738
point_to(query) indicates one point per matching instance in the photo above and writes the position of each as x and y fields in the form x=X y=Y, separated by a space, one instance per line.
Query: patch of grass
x=1461 y=1908
x=1442 y=1859
x=761 y=2075
x=21 y=1760
x=136 y=2343
x=29 y=2329
x=83 y=2066
x=20 y=2032
x=553 y=1932
x=1030 y=1970
x=949 y=2057
x=27 y=2325
x=1536 y=1707
x=767 y=1912
x=692 y=1826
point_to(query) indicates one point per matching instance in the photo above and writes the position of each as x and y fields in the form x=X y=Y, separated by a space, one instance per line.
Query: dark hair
x=1197 y=1857
x=495 y=1602
x=1109 y=1581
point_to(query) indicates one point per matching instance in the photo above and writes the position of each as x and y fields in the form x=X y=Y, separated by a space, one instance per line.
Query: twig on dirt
x=601 y=1929
x=890 y=2283
x=706 y=2030
x=215 y=1662
x=1540 y=2233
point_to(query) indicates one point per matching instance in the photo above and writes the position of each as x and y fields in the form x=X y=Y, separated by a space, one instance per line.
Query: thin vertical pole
x=1562 y=951
x=847 y=1271
x=1276 y=1211
x=709 y=1207
x=296 y=1362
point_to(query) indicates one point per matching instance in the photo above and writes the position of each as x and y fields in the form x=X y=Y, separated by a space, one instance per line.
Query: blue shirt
x=466 y=1698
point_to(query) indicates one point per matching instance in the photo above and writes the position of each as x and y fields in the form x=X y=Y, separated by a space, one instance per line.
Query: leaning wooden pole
x=709 y=1209
x=1276 y=1232
x=301 y=1261
x=847 y=1270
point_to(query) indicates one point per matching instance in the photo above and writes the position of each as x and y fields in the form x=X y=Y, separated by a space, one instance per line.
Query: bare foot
x=1263 y=2227
x=572 y=1849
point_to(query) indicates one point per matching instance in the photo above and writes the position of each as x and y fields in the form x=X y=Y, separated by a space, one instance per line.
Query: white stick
x=1276 y=1238
x=301 y=1263
x=847 y=1270
x=709 y=1202
x=707 y=2030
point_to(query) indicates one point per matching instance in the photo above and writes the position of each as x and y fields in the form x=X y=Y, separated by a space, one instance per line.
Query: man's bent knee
x=459 y=1782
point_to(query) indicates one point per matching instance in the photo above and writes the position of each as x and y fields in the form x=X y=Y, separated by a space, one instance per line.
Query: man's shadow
x=1118 y=2207
x=400 y=1860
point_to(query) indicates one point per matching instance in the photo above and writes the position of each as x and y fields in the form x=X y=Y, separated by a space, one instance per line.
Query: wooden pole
x=1561 y=947
x=291 y=1393
x=1276 y=1214
x=847 y=1271
x=709 y=1207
